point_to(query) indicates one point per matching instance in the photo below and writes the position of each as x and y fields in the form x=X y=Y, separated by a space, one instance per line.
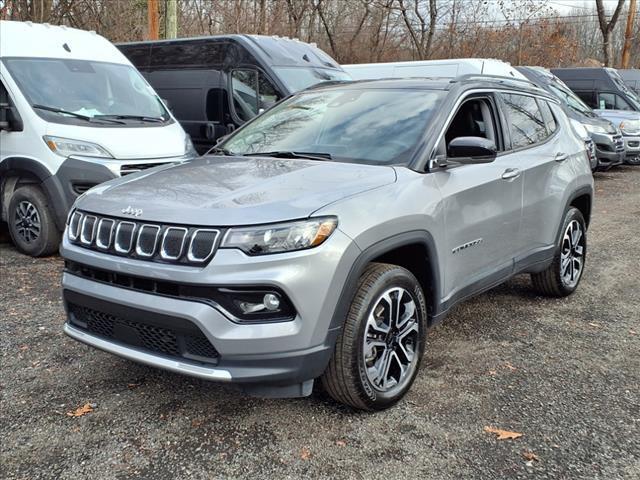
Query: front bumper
x=632 y=148
x=609 y=150
x=276 y=354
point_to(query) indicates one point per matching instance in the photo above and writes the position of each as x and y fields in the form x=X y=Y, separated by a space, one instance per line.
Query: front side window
x=526 y=123
x=252 y=92
x=86 y=92
x=372 y=126
x=611 y=101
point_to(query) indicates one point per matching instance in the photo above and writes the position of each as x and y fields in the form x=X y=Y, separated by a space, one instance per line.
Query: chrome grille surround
x=100 y=240
x=155 y=242
x=117 y=244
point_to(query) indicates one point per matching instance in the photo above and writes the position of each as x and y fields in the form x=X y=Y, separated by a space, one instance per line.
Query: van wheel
x=31 y=223
x=378 y=354
x=562 y=277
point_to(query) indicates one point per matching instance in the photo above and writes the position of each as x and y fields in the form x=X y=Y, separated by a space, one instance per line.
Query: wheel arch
x=413 y=250
x=582 y=200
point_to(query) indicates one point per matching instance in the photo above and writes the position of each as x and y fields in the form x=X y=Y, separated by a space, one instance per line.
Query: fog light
x=271 y=302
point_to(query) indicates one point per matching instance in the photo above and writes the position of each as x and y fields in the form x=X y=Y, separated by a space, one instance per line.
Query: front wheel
x=562 y=277
x=378 y=354
x=31 y=224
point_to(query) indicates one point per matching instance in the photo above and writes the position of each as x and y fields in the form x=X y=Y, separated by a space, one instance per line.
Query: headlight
x=282 y=237
x=189 y=149
x=65 y=147
x=630 y=127
x=594 y=128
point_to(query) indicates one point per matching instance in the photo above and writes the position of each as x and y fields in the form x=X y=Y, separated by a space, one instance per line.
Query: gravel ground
x=564 y=373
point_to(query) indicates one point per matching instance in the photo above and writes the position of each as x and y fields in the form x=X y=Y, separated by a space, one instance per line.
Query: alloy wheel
x=572 y=254
x=27 y=221
x=390 y=352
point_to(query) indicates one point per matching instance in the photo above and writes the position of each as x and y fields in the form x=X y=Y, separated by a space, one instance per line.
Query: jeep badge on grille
x=136 y=212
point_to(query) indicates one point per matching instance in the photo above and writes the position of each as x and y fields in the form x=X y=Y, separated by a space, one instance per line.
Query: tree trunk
x=171 y=30
x=626 y=51
x=606 y=28
x=153 y=19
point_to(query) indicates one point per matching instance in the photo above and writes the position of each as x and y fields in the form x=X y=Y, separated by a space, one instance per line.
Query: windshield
x=299 y=78
x=80 y=89
x=373 y=126
x=571 y=99
x=632 y=97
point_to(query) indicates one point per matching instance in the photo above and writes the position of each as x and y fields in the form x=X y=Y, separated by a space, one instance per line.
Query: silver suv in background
x=325 y=236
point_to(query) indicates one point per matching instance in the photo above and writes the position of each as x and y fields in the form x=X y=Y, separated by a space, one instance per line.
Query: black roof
x=274 y=50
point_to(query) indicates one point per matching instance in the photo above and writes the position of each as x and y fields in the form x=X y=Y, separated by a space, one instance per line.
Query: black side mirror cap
x=472 y=150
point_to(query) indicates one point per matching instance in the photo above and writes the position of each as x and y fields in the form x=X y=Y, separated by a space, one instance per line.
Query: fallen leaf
x=341 y=443
x=594 y=325
x=510 y=367
x=133 y=385
x=503 y=434
x=493 y=372
x=530 y=456
x=24 y=347
x=632 y=332
x=80 y=411
x=305 y=453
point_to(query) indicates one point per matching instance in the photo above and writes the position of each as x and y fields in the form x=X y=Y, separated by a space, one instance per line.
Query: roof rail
x=498 y=78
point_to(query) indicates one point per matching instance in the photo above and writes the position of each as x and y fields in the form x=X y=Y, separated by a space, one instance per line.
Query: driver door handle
x=561 y=157
x=510 y=174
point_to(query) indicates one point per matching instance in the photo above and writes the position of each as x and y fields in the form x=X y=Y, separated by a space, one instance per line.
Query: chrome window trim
x=133 y=234
x=93 y=230
x=73 y=237
x=139 y=251
x=99 y=244
x=163 y=253
x=190 y=256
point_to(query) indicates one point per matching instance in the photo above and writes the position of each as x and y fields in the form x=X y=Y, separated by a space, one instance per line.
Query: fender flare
x=386 y=245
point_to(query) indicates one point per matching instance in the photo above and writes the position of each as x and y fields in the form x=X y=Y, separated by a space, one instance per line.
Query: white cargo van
x=74 y=113
x=432 y=68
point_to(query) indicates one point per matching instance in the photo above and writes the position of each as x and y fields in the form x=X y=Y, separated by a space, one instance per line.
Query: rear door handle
x=561 y=157
x=510 y=174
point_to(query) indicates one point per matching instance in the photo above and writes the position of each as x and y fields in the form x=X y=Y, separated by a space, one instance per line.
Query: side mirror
x=9 y=119
x=470 y=150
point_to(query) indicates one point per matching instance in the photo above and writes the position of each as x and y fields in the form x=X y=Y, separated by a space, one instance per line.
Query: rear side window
x=611 y=101
x=526 y=124
x=547 y=115
x=587 y=97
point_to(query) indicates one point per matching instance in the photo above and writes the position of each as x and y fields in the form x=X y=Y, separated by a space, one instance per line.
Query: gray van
x=215 y=84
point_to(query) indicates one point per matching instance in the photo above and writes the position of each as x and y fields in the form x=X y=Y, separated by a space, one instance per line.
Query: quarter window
x=526 y=124
x=547 y=114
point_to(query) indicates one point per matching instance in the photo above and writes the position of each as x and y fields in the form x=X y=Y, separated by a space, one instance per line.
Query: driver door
x=482 y=204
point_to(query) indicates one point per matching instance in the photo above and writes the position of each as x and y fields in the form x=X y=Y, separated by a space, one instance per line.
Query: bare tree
x=606 y=28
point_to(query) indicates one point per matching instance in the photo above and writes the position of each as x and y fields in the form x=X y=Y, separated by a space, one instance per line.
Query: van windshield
x=617 y=79
x=73 y=91
x=299 y=78
x=571 y=100
x=372 y=126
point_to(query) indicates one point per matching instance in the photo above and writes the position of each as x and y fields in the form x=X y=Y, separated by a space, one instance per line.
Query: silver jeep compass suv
x=323 y=238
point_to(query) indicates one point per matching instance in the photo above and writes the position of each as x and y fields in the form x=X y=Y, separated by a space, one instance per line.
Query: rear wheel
x=562 y=277
x=31 y=224
x=378 y=354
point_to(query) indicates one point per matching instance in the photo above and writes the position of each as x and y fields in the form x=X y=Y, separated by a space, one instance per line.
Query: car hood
x=224 y=191
x=618 y=115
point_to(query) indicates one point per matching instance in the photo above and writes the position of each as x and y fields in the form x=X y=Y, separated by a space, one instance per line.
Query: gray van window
x=526 y=123
x=611 y=101
x=252 y=91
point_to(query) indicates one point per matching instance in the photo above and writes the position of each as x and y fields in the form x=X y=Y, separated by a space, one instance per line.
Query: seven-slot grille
x=143 y=240
x=619 y=142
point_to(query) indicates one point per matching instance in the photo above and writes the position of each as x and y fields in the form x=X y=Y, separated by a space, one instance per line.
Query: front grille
x=619 y=143
x=143 y=335
x=142 y=240
x=138 y=167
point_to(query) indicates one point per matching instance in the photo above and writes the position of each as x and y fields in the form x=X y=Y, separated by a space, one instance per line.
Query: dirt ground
x=564 y=373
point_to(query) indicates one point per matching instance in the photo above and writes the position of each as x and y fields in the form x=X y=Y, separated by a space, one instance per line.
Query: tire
x=563 y=276
x=31 y=224
x=347 y=378
x=633 y=160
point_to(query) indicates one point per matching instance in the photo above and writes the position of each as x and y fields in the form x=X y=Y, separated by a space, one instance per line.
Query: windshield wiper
x=221 y=150
x=289 y=154
x=73 y=114
x=142 y=118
